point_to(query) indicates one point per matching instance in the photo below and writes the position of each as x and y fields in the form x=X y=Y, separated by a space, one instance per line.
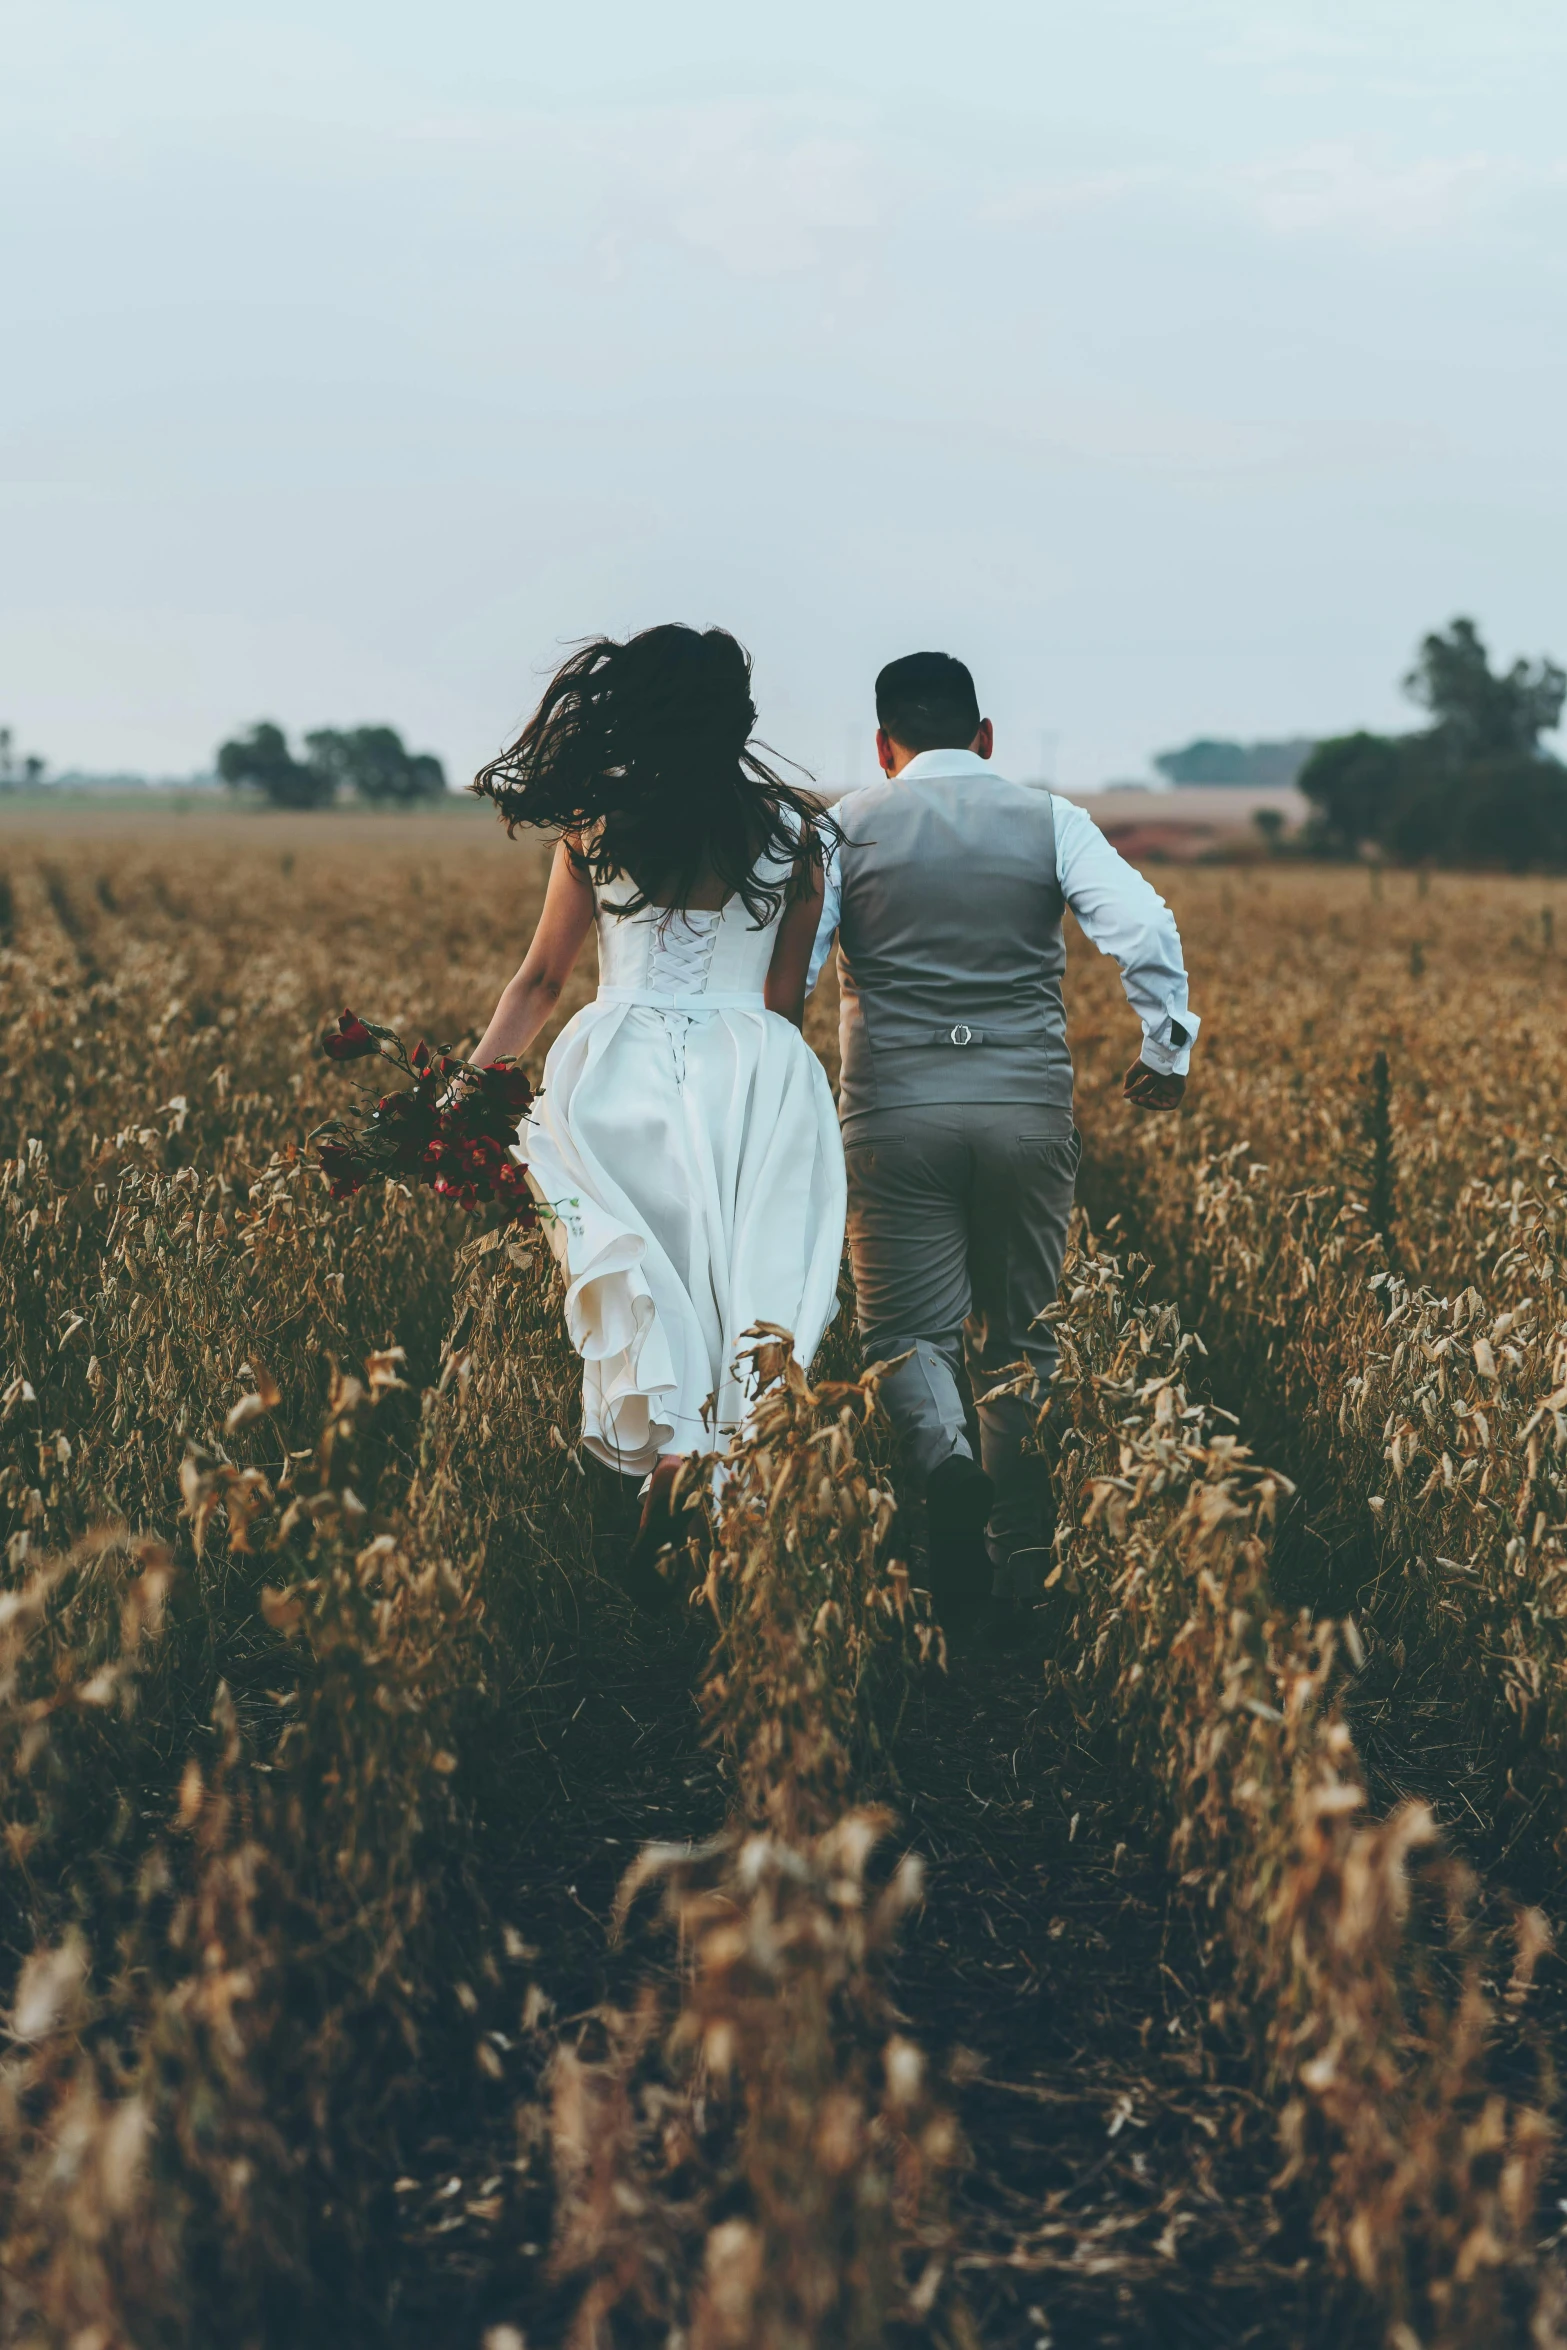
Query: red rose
x=340 y=1166
x=351 y=1040
x=461 y=1195
x=514 y=1199
x=512 y=1194
x=507 y=1089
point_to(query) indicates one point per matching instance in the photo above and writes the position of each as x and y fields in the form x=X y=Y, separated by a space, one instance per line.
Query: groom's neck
x=895 y=756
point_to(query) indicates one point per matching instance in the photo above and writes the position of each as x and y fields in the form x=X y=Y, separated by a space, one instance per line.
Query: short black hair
x=927 y=702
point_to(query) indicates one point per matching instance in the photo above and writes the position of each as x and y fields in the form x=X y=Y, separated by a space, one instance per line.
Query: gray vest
x=950 y=947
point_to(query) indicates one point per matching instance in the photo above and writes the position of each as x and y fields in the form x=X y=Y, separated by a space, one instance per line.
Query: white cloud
x=766 y=189
x=1334 y=186
x=1328 y=187
x=1060 y=199
x=1428 y=45
x=763 y=193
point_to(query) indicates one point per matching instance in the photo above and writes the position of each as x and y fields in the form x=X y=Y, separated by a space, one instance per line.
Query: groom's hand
x=1149 y=1089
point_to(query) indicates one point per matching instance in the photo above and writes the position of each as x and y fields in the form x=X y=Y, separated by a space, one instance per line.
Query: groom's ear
x=886 y=752
x=985 y=741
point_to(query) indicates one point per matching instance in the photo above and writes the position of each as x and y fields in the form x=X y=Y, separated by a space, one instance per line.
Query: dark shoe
x=1028 y=1532
x=1007 y=1631
x=1023 y=1577
x=958 y=1496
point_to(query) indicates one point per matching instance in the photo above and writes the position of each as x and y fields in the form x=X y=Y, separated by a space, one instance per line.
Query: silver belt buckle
x=962 y=1034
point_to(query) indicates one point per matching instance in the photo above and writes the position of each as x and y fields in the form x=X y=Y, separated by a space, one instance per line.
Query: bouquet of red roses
x=451 y=1127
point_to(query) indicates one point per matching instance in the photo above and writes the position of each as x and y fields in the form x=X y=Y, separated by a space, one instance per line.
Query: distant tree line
x=1211 y=759
x=1474 y=787
x=369 y=761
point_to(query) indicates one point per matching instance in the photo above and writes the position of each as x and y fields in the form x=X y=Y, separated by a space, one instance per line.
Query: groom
x=946 y=899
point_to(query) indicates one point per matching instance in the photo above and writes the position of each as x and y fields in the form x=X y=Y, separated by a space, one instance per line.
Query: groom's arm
x=827 y=925
x=1124 y=916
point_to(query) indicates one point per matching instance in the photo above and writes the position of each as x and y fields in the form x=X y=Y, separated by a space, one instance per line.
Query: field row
x=1365 y=1216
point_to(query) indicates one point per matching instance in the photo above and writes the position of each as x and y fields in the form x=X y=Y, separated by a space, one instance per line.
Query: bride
x=685 y=1135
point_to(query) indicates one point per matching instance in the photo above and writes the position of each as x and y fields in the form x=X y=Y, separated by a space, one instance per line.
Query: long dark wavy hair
x=642 y=753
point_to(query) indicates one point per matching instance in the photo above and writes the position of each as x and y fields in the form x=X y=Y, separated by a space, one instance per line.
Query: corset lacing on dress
x=680 y=955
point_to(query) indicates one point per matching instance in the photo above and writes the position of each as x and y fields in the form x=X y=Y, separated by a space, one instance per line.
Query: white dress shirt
x=1121 y=912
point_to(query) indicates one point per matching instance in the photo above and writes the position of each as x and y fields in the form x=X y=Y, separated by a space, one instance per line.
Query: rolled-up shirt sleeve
x=1123 y=915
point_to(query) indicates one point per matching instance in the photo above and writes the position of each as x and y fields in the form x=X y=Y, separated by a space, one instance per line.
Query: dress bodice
x=684 y=956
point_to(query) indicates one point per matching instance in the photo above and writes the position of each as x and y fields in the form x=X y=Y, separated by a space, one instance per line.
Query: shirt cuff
x=1168 y=1041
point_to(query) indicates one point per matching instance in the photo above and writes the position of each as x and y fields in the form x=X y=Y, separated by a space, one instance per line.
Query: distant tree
x=28 y=771
x=1355 y=781
x=1211 y=759
x=371 y=761
x=263 y=760
x=368 y=760
x=1476 y=787
x=1478 y=714
x=1509 y=811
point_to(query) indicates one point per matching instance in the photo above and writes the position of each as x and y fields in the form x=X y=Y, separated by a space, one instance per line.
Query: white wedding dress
x=686 y=1141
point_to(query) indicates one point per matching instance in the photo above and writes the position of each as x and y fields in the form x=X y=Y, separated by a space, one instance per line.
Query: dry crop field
x=404 y=1944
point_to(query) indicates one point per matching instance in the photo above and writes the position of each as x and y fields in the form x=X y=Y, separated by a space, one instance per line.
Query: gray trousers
x=957 y=1229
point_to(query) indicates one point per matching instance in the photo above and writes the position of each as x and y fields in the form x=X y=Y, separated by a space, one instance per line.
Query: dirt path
x=1117 y=2186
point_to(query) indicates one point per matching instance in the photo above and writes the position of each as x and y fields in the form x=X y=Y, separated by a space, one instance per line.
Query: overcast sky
x=1177 y=362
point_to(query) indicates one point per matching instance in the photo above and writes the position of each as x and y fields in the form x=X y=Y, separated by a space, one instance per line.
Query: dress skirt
x=694 y=1173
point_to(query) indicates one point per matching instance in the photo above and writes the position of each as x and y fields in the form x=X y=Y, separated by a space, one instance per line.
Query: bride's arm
x=528 y=999
x=786 y=974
